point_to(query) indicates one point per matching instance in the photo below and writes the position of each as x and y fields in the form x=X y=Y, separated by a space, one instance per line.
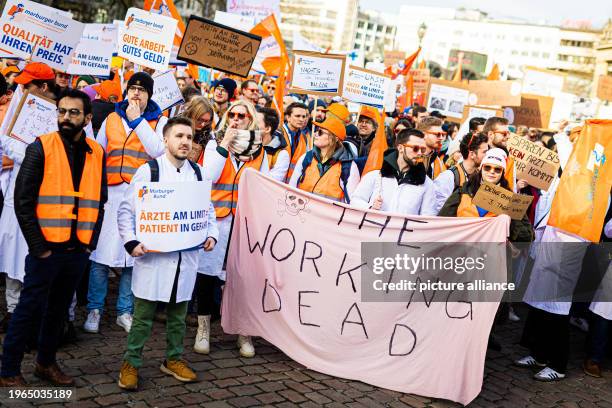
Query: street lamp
x=421 y=32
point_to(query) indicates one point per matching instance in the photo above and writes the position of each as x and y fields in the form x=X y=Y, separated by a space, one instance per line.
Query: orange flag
x=379 y=145
x=494 y=74
x=580 y=203
x=407 y=98
x=422 y=64
x=407 y=64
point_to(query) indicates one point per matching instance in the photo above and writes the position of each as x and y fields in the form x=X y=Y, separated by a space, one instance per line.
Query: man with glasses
x=434 y=136
x=401 y=185
x=131 y=136
x=223 y=94
x=59 y=202
x=250 y=91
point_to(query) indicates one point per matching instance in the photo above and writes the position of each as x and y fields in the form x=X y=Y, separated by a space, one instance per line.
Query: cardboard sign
x=470 y=112
x=536 y=164
x=498 y=93
x=317 y=74
x=448 y=98
x=166 y=92
x=365 y=87
x=499 y=201
x=421 y=79
x=34 y=116
x=172 y=216
x=218 y=46
x=544 y=82
x=534 y=111
x=393 y=57
x=604 y=87
x=94 y=52
x=44 y=34
x=146 y=38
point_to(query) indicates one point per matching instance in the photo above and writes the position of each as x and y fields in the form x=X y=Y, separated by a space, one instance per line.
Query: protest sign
x=447 y=97
x=218 y=46
x=393 y=57
x=255 y=9
x=146 y=38
x=498 y=200
x=171 y=216
x=286 y=280
x=317 y=73
x=604 y=87
x=44 y=34
x=539 y=81
x=562 y=109
x=534 y=163
x=93 y=54
x=470 y=112
x=34 y=116
x=237 y=21
x=166 y=92
x=499 y=93
x=421 y=79
x=534 y=111
x=365 y=87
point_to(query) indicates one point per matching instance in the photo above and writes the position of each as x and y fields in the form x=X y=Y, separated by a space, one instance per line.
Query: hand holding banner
x=166 y=92
x=317 y=74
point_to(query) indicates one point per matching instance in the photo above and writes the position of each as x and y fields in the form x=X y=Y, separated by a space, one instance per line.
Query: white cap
x=496 y=157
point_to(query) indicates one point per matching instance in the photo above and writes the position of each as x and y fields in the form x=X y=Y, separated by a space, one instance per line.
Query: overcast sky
x=554 y=11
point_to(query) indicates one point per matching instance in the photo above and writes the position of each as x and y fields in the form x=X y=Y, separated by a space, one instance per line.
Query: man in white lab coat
x=162 y=277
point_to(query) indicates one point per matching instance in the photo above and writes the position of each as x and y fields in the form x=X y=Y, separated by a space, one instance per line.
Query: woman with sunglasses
x=239 y=147
x=401 y=185
x=201 y=113
x=328 y=169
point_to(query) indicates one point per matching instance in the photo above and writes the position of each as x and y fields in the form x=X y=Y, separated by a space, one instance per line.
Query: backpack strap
x=154 y=170
x=305 y=163
x=196 y=169
x=455 y=171
x=344 y=176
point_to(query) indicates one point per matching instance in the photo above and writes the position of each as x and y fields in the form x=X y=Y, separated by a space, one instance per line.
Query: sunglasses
x=239 y=115
x=488 y=168
x=415 y=148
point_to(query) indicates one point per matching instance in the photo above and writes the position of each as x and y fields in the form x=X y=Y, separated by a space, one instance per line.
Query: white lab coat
x=408 y=199
x=154 y=273
x=110 y=250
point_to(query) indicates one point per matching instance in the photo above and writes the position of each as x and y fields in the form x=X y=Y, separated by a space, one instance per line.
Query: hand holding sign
x=139 y=250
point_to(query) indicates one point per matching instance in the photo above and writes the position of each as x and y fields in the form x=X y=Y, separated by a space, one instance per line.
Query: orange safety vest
x=438 y=167
x=224 y=193
x=509 y=173
x=57 y=200
x=327 y=185
x=467 y=209
x=124 y=153
x=303 y=146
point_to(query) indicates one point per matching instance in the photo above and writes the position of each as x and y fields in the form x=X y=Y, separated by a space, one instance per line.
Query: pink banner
x=293 y=278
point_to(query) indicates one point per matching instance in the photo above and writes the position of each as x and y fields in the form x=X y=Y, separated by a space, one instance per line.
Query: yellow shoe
x=128 y=377
x=179 y=370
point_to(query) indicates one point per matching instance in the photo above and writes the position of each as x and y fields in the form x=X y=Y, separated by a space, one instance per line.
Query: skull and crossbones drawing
x=293 y=205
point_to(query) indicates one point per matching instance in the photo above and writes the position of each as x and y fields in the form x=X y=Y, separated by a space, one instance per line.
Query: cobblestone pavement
x=272 y=379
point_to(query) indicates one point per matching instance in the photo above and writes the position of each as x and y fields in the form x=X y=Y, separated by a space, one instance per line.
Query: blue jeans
x=98 y=287
x=597 y=338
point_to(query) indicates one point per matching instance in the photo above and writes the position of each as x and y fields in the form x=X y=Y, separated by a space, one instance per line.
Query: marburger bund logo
x=146 y=194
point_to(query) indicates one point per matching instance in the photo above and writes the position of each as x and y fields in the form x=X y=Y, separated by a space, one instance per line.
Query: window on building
x=368 y=48
x=527 y=39
x=545 y=55
x=379 y=28
x=514 y=52
x=358 y=35
x=535 y=54
x=524 y=53
x=389 y=30
x=537 y=40
x=370 y=26
x=361 y=24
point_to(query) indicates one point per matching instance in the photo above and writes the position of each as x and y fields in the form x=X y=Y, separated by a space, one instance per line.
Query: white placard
x=365 y=87
x=447 y=100
x=95 y=49
x=146 y=38
x=542 y=82
x=166 y=92
x=317 y=74
x=36 y=117
x=172 y=216
x=255 y=9
x=237 y=21
x=42 y=33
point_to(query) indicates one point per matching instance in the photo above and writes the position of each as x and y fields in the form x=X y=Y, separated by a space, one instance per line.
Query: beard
x=69 y=130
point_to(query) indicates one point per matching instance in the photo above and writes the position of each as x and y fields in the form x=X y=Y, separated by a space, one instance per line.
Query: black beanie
x=142 y=79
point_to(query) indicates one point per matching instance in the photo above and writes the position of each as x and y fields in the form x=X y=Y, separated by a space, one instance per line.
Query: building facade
x=603 y=56
x=375 y=33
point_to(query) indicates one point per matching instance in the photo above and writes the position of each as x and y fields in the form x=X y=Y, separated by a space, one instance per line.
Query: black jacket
x=27 y=187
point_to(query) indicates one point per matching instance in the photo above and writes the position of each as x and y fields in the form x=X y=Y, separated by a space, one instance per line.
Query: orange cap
x=11 y=68
x=339 y=111
x=335 y=126
x=34 y=71
x=109 y=88
x=369 y=112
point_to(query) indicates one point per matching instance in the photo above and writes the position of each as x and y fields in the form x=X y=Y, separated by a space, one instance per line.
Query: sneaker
x=580 y=323
x=179 y=370
x=202 y=340
x=512 y=316
x=528 y=361
x=92 y=324
x=128 y=377
x=591 y=368
x=125 y=321
x=246 y=347
x=548 y=375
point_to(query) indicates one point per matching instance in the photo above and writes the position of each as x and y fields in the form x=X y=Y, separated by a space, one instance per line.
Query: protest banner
x=421 y=79
x=365 y=87
x=534 y=163
x=539 y=81
x=498 y=200
x=146 y=38
x=604 y=87
x=485 y=112
x=94 y=52
x=286 y=281
x=448 y=98
x=255 y=9
x=35 y=116
x=391 y=58
x=562 y=109
x=317 y=73
x=237 y=21
x=166 y=92
x=498 y=93
x=534 y=111
x=44 y=34
x=171 y=216
x=218 y=46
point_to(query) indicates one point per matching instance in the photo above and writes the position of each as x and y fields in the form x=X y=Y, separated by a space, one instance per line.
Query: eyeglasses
x=495 y=169
x=239 y=115
x=415 y=148
x=134 y=88
x=73 y=113
x=254 y=90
